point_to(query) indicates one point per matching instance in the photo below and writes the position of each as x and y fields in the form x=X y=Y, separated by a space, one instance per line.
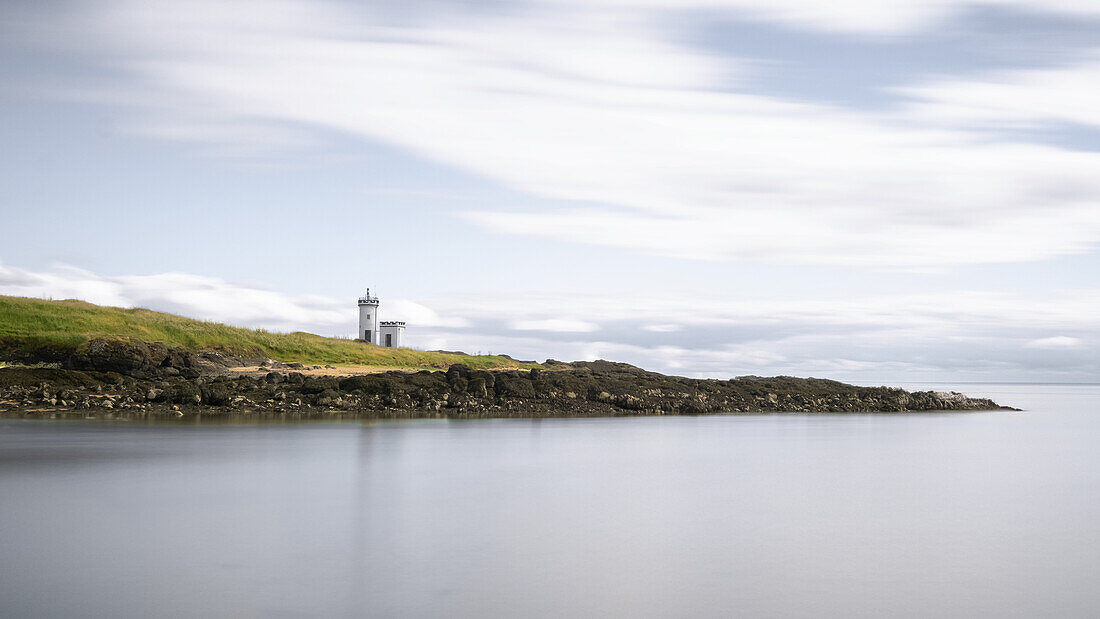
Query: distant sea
x=990 y=514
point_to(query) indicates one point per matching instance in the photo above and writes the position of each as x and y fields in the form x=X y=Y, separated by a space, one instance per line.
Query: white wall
x=397 y=333
x=368 y=321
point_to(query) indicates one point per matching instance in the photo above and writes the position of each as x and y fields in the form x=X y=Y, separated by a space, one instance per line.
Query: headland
x=67 y=358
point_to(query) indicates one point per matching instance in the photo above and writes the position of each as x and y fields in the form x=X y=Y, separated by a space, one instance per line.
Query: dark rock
x=317 y=385
x=117 y=355
x=514 y=387
x=216 y=394
x=460 y=385
x=477 y=387
x=458 y=371
x=182 y=393
x=372 y=384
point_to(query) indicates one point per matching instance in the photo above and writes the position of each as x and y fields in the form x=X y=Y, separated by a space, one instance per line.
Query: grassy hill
x=32 y=324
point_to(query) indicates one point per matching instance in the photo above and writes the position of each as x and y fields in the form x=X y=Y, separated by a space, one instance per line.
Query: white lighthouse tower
x=368 y=318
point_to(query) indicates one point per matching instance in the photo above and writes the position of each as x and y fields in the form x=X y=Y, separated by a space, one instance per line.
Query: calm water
x=923 y=515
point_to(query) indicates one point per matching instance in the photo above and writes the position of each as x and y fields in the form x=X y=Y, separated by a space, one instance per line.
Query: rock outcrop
x=151 y=360
x=134 y=376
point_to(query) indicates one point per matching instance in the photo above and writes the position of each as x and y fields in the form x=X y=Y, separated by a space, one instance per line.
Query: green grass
x=31 y=324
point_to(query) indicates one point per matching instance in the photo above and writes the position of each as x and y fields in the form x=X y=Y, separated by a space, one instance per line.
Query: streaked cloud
x=666 y=328
x=554 y=324
x=1054 y=343
x=660 y=147
x=670 y=131
x=1013 y=99
x=209 y=298
x=858 y=16
x=954 y=335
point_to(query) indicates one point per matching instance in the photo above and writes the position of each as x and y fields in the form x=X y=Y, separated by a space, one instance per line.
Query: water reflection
x=788 y=515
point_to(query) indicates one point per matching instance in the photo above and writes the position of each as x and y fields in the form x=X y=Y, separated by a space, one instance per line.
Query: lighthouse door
x=366 y=336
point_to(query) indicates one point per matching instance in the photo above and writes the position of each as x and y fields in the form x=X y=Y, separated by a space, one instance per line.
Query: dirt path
x=315 y=370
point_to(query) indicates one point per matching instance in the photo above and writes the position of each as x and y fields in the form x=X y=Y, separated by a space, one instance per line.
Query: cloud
x=554 y=324
x=663 y=328
x=659 y=147
x=1054 y=343
x=953 y=335
x=867 y=17
x=415 y=313
x=195 y=296
x=1021 y=98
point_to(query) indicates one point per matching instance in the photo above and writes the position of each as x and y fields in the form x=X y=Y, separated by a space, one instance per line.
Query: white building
x=392 y=333
x=373 y=331
x=368 y=318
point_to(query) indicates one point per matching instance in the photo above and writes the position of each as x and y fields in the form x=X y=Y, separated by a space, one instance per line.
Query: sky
x=867 y=191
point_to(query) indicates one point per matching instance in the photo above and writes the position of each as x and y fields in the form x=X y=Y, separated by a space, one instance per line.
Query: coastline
x=122 y=379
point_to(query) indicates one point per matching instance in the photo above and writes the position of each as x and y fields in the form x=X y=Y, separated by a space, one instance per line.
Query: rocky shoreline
x=132 y=378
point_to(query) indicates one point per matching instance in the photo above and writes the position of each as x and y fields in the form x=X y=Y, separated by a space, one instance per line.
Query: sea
x=976 y=514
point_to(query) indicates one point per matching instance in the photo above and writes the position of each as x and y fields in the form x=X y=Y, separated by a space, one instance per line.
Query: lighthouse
x=389 y=333
x=368 y=318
